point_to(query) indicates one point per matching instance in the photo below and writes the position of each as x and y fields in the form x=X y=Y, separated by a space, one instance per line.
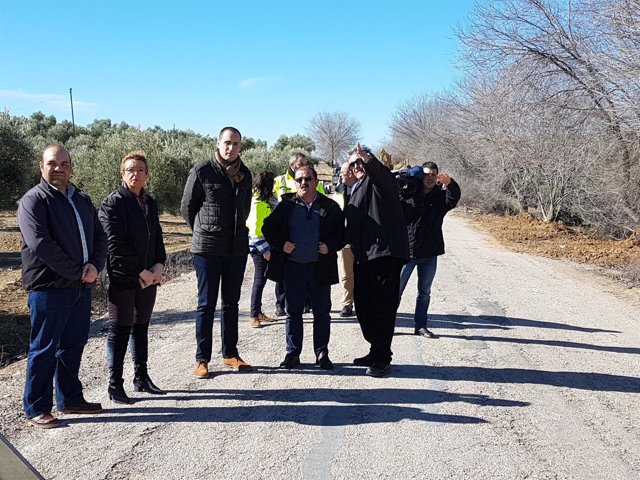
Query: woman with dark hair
x=135 y=264
x=262 y=204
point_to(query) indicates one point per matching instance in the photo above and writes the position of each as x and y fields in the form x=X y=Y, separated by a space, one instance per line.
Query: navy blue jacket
x=276 y=230
x=51 y=246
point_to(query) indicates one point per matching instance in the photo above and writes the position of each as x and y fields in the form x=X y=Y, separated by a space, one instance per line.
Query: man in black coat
x=215 y=204
x=304 y=232
x=377 y=233
x=424 y=213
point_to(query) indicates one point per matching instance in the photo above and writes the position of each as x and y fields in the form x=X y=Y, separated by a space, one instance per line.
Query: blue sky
x=266 y=67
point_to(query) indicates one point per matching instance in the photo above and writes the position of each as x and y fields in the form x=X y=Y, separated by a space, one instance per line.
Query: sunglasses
x=304 y=179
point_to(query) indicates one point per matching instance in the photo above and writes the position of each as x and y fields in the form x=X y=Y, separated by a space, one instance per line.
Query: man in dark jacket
x=63 y=249
x=304 y=232
x=424 y=213
x=377 y=233
x=215 y=204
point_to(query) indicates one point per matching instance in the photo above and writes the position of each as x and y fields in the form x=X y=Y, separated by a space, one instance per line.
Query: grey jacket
x=216 y=209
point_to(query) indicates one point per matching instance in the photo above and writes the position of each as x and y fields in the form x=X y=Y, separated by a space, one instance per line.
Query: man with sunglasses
x=304 y=232
x=377 y=233
x=282 y=185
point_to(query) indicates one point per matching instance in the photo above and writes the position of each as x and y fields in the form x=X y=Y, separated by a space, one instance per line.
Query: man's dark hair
x=264 y=185
x=233 y=129
x=431 y=166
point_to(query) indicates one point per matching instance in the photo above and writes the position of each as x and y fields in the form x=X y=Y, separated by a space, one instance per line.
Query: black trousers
x=376 y=297
x=259 y=281
x=129 y=315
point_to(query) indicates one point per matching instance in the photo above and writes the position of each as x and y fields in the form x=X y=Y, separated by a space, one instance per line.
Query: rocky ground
x=534 y=376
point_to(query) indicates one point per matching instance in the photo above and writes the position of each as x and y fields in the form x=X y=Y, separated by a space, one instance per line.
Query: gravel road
x=535 y=375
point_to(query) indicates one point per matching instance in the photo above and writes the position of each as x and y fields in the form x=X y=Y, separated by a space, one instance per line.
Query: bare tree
x=585 y=53
x=416 y=129
x=333 y=133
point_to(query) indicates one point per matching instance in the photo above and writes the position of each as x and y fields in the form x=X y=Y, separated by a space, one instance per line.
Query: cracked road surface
x=536 y=374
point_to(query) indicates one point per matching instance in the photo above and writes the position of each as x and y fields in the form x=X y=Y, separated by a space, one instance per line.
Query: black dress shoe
x=118 y=395
x=365 y=361
x=307 y=310
x=290 y=361
x=378 y=370
x=280 y=312
x=85 y=407
x=346 y=311
x=146 y=385
x=324 y=362
x=423 y=332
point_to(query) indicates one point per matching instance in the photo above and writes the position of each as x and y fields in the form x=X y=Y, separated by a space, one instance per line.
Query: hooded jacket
x=424 y=214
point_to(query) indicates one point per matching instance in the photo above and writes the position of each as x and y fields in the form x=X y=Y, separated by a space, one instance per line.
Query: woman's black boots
x=140 y=350
x=117 y=339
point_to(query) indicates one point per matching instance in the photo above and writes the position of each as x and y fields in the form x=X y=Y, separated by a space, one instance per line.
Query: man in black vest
x=215 y=204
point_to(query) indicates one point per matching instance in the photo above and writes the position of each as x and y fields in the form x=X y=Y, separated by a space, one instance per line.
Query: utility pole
x=73 y=122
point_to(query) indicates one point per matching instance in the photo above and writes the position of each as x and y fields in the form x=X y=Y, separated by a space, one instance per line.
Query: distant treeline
x=98 y=148
x=545 y=119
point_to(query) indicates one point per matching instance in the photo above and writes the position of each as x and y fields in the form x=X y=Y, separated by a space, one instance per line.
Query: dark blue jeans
x=280 y=302
x=215 y=274
x=59 y=331
x=280 y=294
x=426 y=272
x=300 y=283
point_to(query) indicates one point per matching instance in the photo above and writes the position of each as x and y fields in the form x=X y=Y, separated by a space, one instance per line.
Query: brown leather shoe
x=263 y=318
x=46 y=420
x=237 y=364
x=254 y=322
x=202 y=370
